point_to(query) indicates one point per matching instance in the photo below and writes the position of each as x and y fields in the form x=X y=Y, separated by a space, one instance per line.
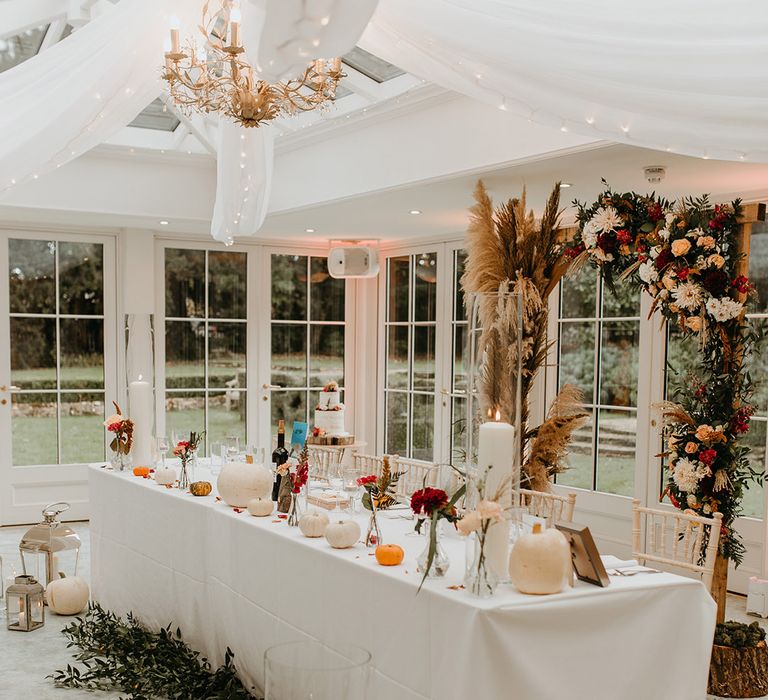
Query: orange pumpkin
x=141 y=471
x=389 y=554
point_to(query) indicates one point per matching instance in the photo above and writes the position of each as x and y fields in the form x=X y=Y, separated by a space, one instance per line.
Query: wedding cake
x=330 y=413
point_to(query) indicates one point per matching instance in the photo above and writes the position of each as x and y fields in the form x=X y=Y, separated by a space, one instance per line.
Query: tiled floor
x=25 y=659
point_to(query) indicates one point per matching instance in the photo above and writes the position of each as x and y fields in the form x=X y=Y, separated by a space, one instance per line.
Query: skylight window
x=17 y=49
x=156 y=116
x=371 y=66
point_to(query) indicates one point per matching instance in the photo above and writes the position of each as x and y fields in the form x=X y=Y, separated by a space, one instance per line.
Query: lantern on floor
x=50 y=547
x=24 y=604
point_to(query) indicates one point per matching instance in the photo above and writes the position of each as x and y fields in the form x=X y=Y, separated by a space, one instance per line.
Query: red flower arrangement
x=363 y=480
x=122 y=427
x=428 y=500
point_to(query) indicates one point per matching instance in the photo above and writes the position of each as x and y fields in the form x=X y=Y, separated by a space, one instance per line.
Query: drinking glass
x=161 y=448
x=313 y=671
x=351 y=488
x=232 y=443
x=255 y=455
x=217 y=457
x=336 y=483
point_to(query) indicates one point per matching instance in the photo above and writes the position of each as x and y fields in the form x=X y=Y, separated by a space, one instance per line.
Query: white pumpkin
x=239 y=483
x=261 y=507
x=342 y=534
x=540 y=563
x=67 y=596
x=165 y=476
x=313 y=523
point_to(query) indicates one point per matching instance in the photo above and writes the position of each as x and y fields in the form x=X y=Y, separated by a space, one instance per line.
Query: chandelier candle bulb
x=175 y=43
x=140 y=401
x=496 y=448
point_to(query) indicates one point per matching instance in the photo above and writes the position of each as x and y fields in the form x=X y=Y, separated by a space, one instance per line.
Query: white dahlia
x=688 y=295
x=648 y=272
x=607 y=219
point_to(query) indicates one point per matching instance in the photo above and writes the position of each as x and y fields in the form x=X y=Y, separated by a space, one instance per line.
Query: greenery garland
x=686 y=258
x=126 y=656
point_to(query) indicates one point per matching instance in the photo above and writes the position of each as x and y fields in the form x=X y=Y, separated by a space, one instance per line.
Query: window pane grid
x=205 y=360
x=602 y=453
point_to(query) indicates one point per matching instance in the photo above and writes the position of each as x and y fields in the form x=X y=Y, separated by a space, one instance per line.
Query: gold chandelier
x=212 y=75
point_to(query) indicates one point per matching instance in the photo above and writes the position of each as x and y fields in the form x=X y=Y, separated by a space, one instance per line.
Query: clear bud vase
x=373 y=535
x=294 y=511
x=184 y=476
x=120 y=461
x=440 y=562
x=480 y=579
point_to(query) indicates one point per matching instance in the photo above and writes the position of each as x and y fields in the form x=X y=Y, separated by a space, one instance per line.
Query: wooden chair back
x=323 y=462
x=676 y=539
x=552 y=506
x=417 y=474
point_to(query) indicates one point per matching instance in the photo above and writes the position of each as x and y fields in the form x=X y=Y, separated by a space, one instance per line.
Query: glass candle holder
x=313 y=671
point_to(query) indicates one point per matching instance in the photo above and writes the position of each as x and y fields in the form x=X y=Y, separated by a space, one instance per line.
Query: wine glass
x=161 y=447
x=336 y=483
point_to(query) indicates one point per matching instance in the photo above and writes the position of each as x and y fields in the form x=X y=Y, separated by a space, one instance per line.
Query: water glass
x=217 y=458
x=313 y=671
x=255 y=455
x=351 y=487
x=232 y=444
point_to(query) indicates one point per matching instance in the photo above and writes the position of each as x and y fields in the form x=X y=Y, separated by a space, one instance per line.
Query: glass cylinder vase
x=480 y=579
x=184 y=474
x=294 y=511
x=373 y=534
x=310 y=669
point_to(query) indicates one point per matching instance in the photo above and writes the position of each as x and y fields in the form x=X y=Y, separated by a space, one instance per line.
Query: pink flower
x=490 y=510
x=469 y=523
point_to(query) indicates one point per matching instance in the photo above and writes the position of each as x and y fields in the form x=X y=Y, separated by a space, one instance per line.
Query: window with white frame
x=308 y=327
x=458 y=388
x=410 y=326
x=598 y=351
x=205 y=342
x=57 y=329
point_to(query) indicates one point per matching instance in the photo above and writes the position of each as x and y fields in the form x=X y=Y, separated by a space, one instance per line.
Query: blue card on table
x=299 y=435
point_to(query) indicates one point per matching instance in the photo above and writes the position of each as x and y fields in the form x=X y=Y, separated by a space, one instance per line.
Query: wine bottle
x=279 y=457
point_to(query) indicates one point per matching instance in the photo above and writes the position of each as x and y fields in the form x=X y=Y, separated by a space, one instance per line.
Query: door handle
x=271 y=386
x=9 y=388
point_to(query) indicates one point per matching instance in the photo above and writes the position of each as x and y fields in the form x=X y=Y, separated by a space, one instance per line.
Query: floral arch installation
x=692 y=258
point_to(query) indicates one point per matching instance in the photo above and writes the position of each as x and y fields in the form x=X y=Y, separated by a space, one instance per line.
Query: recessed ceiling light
x=163 y=222
x=309 y=230
x=415 y=212
x=565 y=184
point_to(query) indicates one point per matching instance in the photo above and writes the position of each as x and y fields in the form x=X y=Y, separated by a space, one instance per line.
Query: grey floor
x=25 y=659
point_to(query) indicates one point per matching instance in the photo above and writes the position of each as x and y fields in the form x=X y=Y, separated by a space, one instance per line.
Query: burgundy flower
x=624 y=237
x=607 y=241
x=363 y=480
x=741 y=284
x=715 y=282
x=707 y=457
x=655 y=212
x=663 y=259
x=427 y=500
x=682 y=274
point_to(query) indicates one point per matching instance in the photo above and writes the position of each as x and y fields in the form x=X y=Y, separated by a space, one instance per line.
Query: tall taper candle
x=141 y=413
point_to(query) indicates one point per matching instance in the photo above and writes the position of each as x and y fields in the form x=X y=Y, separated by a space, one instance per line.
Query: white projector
x=353 y=261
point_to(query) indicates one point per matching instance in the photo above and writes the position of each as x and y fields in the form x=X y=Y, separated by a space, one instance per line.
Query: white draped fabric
x=73 y=96
x=232 y=580
x=689 y=76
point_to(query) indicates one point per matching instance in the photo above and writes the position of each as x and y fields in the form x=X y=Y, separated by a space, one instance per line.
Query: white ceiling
x=385 y=215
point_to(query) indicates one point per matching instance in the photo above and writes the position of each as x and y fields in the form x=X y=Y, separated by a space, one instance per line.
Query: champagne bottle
x=279 y=457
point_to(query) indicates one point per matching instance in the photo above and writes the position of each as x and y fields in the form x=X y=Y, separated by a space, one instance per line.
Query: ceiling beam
x=361 y=84
x=196 y=124
x=53 y=35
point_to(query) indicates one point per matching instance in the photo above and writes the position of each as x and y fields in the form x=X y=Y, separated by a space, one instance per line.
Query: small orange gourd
x=389 y=554
x=141 y=471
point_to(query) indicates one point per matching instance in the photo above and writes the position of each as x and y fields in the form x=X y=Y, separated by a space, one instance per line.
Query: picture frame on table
x=587 y=564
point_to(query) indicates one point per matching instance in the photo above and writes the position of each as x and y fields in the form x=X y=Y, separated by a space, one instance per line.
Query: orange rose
x=706 y=242
x=691 y=447
x=717 y=260
x=680 y=247
x=693 y=323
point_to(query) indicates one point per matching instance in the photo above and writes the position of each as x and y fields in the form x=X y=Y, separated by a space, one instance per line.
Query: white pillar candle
x=140 y=403
x=496 y=447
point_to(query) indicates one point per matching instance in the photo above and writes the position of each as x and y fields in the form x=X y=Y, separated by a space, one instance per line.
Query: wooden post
x=720 y=585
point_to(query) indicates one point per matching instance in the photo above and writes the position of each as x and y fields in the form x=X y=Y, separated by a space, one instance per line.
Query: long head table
x=231 y=580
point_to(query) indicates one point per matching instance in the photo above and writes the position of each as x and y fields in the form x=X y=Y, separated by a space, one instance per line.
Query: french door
x=58 y=349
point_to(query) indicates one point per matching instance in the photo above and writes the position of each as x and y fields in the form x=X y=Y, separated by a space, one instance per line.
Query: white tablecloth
x=232 y=580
